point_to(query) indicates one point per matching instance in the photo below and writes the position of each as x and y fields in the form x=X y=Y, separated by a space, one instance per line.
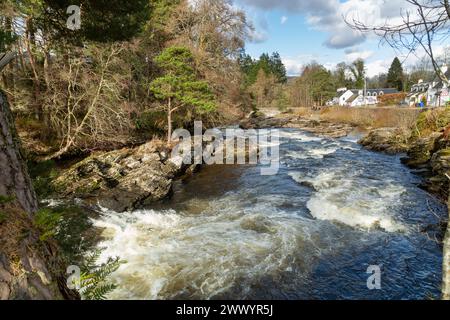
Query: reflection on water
x=309 y=232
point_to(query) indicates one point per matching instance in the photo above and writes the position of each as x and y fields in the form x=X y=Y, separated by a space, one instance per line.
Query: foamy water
x=309 y=232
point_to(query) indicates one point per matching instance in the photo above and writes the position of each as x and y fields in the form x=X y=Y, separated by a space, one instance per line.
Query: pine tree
x=395 y=75
x=179 y=86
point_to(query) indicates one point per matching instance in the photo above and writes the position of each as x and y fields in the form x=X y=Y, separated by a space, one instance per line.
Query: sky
x=306 y=30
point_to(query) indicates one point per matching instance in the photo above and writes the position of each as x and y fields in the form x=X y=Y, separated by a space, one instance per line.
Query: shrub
x=392 y=99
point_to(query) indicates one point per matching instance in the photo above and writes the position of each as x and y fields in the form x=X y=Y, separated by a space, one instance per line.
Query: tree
x=102 y=20
x=277 y=67
x=29 y=269
x=340 y=75
x=358 y=71
x=179 y=86
x=314 y=87
x=422 y=25
x=395 y=77
x=270 y=64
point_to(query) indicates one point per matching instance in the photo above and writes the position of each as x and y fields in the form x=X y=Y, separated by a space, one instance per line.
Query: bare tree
x=423 y=24
x=85 y=104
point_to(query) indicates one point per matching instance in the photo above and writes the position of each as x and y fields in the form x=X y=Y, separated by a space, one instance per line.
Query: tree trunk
x=15 y=181
x=169 y=121
x=29 y=40
x=29 y=268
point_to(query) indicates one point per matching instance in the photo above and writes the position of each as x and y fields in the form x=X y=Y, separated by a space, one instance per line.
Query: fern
x=94 y=277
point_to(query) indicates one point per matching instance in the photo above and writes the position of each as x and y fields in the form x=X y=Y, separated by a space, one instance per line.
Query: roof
x=352 y=98
x=384 y=90
x=340 y=94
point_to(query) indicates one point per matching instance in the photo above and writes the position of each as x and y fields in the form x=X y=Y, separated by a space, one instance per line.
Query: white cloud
x=376 y=67
x=284 y=19
x=294 y=65
x=330 y=15
x=351 y=56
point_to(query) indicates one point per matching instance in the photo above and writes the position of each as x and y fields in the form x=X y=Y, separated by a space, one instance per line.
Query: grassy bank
x=372 y=117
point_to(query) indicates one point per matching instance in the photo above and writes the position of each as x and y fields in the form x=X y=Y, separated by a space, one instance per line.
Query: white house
x=418 y=93
x=360 y=97
x=436 y=93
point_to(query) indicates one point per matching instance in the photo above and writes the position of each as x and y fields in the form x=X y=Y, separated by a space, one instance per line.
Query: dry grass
x=372 y=117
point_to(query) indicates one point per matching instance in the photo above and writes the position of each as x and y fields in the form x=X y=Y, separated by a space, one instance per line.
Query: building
x=360 y=97
x=418 y=93
x=436 y=93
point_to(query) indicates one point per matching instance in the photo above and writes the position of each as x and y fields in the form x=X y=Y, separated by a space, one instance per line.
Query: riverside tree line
x=135 y=71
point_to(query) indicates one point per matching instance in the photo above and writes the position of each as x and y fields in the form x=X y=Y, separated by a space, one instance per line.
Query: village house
x=436 y=93
x=359 y=97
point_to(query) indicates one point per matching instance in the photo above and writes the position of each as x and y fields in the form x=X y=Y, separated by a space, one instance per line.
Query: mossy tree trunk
x=29 y=268
x=15 y=181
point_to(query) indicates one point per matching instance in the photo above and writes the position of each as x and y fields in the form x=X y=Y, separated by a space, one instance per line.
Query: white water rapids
x=308 y=232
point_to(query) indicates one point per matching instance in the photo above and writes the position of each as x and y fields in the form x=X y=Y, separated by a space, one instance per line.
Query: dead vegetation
x=372 y=118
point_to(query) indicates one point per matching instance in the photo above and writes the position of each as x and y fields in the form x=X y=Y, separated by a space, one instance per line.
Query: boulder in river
x=121 y=180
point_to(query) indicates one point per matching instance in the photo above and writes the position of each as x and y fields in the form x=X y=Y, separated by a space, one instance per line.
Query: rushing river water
x=309 y=232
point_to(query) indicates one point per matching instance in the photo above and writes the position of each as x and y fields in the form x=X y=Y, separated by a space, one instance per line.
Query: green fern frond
x=94 y=278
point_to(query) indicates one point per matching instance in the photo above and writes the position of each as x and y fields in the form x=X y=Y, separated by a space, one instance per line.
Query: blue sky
x=306 y=30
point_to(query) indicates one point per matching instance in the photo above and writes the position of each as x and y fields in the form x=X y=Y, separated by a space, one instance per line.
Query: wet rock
x=389 y=140
x=121 y=180
x=262 y=122
x=440 y=167
x=320 y=127
x=421 y=150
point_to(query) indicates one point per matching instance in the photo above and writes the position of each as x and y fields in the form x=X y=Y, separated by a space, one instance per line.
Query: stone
x=121 y=180
x=389 y=140
x=422 y=149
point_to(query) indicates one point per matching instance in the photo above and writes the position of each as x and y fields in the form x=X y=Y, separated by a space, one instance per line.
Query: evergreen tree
x=272 y=65
x=179 y=86
x=277 y=67
x=395 y=75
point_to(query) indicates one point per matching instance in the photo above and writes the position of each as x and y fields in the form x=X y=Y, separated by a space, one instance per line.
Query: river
x=309 y=232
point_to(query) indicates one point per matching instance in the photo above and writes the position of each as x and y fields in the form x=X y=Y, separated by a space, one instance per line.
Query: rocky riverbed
x=316 y=126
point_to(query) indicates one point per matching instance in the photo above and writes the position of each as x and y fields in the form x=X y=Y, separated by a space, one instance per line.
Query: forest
x=106 y=84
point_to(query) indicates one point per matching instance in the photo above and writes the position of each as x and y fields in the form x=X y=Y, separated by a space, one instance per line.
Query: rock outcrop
x=319 y=127
x=121 y=180
x=422 y=149
x=389 y=140
x=256 y=120
x=446 y=264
